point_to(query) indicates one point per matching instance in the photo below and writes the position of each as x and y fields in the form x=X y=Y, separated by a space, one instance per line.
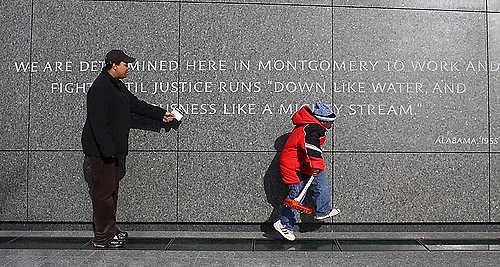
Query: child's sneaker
x=283 y=231
x=332 y=213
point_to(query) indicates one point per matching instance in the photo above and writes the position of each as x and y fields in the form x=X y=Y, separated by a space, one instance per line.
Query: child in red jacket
x=302 y=157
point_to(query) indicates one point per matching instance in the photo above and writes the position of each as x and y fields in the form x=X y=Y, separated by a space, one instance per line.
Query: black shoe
x=115 y=243
x=122 y=235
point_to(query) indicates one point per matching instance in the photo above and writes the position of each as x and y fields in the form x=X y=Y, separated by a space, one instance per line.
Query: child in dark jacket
x=302 y=157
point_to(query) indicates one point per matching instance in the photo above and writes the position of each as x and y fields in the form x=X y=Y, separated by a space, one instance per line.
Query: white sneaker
x=283 y=231
x=332 y=213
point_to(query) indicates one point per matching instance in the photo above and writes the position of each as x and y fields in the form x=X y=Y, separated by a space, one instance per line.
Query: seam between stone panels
x=14 y=150
x=331 y=72
x=412 y=9
x=255 y=4
x=311 y=5
x=412 y=152
x=29 y=112
x=156 y=150
x=332 y=160
x=138 y=1
x=50 y=150
x=178 y=103
x=79 y=150
x=417 y=223
x=235 y=151
x=330 y=151
x=264 y=151
x=489 y=112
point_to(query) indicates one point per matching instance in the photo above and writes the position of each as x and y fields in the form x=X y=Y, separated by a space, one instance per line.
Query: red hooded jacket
x=302 y=150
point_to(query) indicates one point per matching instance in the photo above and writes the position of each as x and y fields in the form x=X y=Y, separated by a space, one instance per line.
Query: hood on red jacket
x=305 y=116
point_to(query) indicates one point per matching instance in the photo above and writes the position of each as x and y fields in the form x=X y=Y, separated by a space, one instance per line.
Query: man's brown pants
x=105 y=183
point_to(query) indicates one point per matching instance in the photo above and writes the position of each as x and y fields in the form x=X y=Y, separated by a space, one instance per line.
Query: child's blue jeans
x=321 y=197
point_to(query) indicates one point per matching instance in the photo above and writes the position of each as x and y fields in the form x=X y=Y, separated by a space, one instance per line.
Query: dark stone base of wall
x=259 y=227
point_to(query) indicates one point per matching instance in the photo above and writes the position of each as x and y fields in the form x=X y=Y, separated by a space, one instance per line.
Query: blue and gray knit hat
x=323 y=112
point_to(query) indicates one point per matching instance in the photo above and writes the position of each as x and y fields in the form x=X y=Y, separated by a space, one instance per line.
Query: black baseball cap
x=117 y=56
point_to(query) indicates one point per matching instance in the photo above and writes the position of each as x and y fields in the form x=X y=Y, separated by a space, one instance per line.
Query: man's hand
x=168 y=116
x=315 y=172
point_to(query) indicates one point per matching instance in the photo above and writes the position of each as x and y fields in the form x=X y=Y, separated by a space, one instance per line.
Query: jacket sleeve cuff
x=318 y=165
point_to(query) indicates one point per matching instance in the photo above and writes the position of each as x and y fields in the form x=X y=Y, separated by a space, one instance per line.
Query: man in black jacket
x=105 y=140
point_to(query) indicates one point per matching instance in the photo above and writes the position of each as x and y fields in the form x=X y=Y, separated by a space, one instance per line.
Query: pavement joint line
x=260 y=235
x=59 y=251
x=419 y=241
x=170 y=244
x=337 y=243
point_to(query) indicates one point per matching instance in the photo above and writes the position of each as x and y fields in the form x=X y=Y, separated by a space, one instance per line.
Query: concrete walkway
x=173 y=248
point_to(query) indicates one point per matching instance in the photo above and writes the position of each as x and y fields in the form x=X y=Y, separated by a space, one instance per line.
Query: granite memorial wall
x=415 y=85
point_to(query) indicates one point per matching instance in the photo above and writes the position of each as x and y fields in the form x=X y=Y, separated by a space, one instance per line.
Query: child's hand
x=315 y=172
